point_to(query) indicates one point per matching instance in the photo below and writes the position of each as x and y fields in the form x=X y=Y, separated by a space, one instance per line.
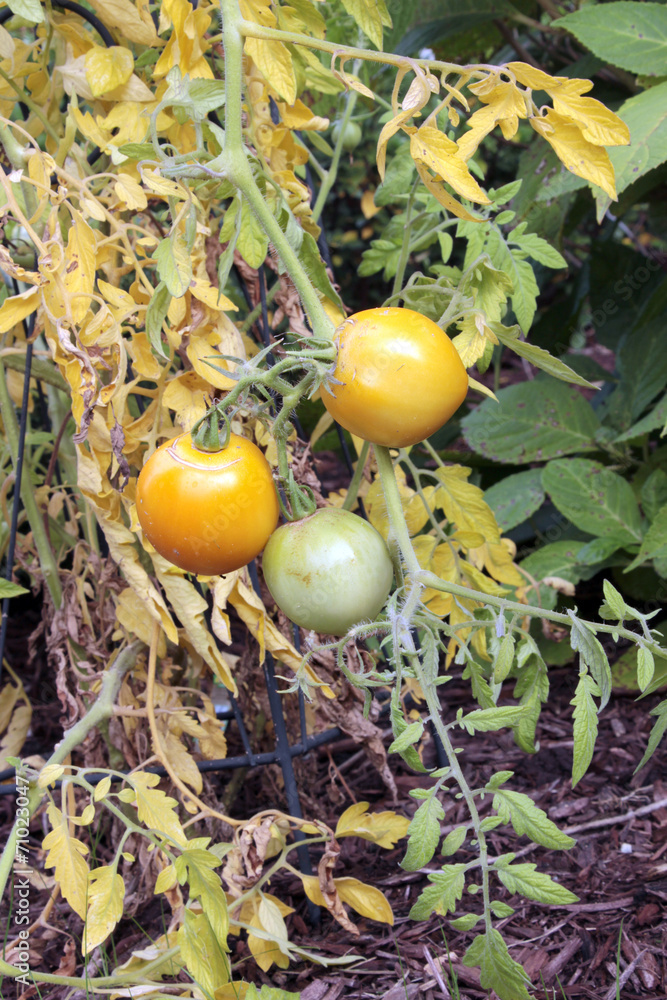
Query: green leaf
x=174 y=264
x=253 y=243
x=463 y=16
x=488 y=720
x=599 y=549
x=498 y=779
x=593 y=498
x=654 y=543
x=593 y=655
x=526 y=881
x=645 y=667
x=196 y=867
x=156 y=313
x=9 y=589
x=585 y=729
x=467 y=921
x=453 y=841
x=538 y=357
x=524 y=286
x=424 y=833
x=642 y=366
x=515 y=498
x=538 y=249
x=657 y=733
x=371 y=18
x=442 y=896
x=654 y=492
x=527 y=818
x=409 y=754
x=410 y=735
x=646 y=117
x=624 y=670
x=533 y=421
x=532 y=689
x=614 y=606
x=138 y=150
x=503 y=652
x=656 y=418
x=498 y=970
x=558 y=559
x=630 y=35
x=31 y=10
x=202 y=953
x=310 y=257
x=500 y=909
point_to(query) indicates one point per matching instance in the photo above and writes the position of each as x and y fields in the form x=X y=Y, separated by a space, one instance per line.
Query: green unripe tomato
x=351 y=135
x=328 y=571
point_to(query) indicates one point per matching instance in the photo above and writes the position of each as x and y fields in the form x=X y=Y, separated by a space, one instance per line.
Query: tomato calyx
x=301 y=499
x=212 y=433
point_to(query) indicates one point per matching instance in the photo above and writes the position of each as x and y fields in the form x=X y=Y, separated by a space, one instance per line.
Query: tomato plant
x=401 y=376
x=208 y=512
x=328 y=571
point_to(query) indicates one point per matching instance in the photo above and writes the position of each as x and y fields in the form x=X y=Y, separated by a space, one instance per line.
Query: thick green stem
x=399 y=528
x=251 y=29
x=47 y=559
x=237 y=170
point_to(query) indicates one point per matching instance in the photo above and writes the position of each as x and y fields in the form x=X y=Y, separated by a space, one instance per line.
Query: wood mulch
x=618 y=869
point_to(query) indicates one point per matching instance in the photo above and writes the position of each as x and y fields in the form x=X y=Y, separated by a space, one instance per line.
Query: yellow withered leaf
x=474 y=336
x=365 y=899
x=156 y=809
x=65 y=854
x=106 y=894
x=131 y=194
x=580 y=156
x=250 y=609
x=438 y=558
x=504 y=105
x=390 y=129
x=274 y=61
x=442 y=195
x=182 y=763
x=203 y=953
x=383 y=828
x=205 y=292
x=108 y=68
x=201 y=351
x=17 y=307
x=185 y=394
x=431 y=147
x=123 y=16
x=190 y=608
x=600 y=126
x=299 y=115
x=268 y=918
x=464 y=504
x=17 y=731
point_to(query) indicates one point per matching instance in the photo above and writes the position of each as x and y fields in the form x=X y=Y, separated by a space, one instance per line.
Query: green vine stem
x=101 y=709
x=430 y=692
x=236 y=169
x=46 y=557
x=355 y=482
x=329 y=178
